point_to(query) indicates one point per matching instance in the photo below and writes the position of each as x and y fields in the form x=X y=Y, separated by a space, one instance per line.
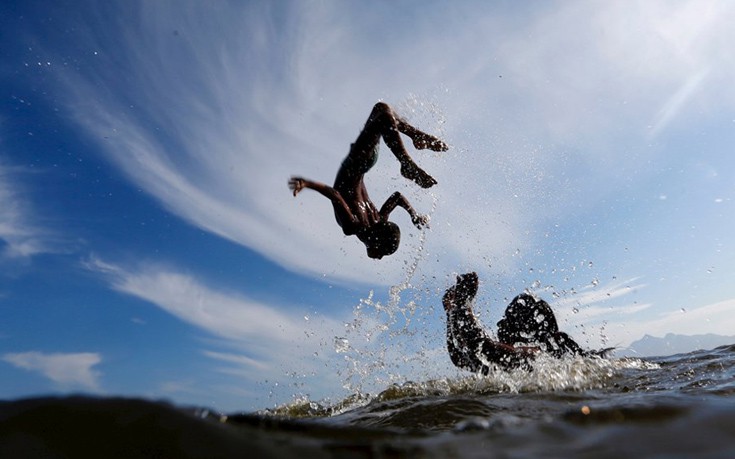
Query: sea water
x=679 y=406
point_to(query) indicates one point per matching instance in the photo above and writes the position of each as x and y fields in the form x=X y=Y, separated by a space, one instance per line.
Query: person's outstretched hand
x=420 y=221
x=296 y=184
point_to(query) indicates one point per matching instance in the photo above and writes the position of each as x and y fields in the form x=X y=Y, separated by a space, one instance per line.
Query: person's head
x=527 y=320
x=381 y=239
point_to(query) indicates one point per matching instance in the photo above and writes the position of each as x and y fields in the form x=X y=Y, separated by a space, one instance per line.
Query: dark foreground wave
x=679 y=406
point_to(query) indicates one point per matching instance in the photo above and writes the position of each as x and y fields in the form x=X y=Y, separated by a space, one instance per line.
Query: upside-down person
x=353 y=209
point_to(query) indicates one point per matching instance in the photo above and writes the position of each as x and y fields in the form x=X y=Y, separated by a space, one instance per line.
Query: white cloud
x=22 y=236
x=69 y=371
x=229 y=316
x=677 y=100
x=717 y=318
x=215 y=137
x=595 y=293
x=268 y=339
x=599 y=303
x=236 y=359
x=608 y=317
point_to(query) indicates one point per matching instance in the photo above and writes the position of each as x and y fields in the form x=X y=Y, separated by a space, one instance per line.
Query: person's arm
x=296 y=184
x=566 y=344
x=397 y=199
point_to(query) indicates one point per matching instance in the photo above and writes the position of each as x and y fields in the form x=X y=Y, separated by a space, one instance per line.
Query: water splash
x=382 y=335
x=341 y=345
x=549 y=374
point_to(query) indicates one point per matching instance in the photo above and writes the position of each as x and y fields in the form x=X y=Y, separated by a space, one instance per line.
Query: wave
x=547 y=374
x=679 y=406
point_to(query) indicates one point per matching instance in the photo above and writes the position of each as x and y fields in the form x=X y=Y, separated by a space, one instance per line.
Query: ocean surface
x=680 y=406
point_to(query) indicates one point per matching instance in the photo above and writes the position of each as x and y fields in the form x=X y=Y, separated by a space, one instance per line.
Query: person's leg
x=384 y=123
x=421 y=140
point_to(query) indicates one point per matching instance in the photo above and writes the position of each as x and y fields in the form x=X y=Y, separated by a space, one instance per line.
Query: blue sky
x=150 y=247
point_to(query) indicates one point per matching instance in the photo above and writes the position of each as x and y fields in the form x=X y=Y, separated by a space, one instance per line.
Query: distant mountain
x=650 y=346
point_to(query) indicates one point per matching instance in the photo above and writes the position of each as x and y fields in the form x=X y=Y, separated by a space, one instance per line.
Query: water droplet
x=595 y=282
x=575 y=310
x=341 y=344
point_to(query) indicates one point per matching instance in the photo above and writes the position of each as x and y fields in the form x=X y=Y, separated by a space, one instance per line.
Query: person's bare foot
x=413 y=172
x=423 y=141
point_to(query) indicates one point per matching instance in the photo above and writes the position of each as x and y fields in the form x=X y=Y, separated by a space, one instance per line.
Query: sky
x=150 y=247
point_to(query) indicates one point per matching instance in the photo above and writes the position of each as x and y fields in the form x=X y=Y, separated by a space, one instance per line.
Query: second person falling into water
x=528 y=327
x=353 y=209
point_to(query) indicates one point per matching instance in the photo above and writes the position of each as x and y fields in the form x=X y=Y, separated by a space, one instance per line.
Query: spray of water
x=378 y=341
x=386 y=340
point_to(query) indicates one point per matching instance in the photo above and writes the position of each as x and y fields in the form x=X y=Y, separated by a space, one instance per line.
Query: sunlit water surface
x=676 y=406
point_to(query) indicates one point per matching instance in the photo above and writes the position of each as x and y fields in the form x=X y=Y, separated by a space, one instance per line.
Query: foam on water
x=548 y=374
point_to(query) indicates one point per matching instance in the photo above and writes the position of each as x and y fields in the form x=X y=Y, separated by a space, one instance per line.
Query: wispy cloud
x=23 y=237
x=609 y=308
x=236 y=359
x=69 y=371
x=717 y=318
x=676 y=102
x=596 y=293
x=214 y=137
x=230 y=316
x=596 y=303
x=267 y=339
